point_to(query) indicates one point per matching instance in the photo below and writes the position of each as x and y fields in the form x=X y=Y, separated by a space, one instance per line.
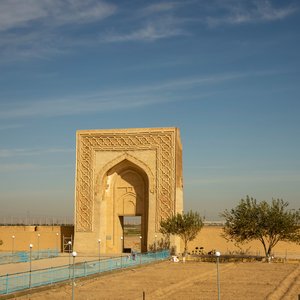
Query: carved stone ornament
x=162 y=141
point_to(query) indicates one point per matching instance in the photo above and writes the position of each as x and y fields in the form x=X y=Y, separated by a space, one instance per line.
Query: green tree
x=186 y=226
x=268 y=223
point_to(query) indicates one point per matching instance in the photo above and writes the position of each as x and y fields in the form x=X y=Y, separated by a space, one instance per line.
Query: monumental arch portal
x=125 y=173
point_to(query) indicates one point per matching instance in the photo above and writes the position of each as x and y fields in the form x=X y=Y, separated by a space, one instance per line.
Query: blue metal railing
x=20 y=281
x=24 y=256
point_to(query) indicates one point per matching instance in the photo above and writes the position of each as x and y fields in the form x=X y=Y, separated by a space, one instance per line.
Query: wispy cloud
x=16 y=13
x=37 y=28
x=240 y=12
x=19 y=13
x=116 y=99
x=7 y=153
x=161 y=7
x=28 y=45
x=153 y=22
x=45 y=28
x=149 y=32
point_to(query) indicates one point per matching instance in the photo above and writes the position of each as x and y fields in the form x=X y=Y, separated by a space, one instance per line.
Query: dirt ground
x=190 y=280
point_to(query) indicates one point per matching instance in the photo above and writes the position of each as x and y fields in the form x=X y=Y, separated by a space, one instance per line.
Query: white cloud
x=34 y=28
x=239 y=12
x=159 y=7
x=44 y=28
x=14 y=13
x=153 y=22
x=78 y=11
x=266 y=12
x=36 y=32
x=150 y=32
x=29 y=45
x=20 y=13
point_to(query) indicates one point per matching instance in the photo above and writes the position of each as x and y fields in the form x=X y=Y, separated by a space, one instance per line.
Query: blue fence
x=24 y=256
x=20 y=281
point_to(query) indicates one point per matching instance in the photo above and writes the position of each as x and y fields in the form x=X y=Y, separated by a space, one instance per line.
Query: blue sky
x=226 y=72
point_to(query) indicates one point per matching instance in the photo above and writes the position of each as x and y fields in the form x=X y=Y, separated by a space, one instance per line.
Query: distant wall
x=210 y=238
x=51 y=237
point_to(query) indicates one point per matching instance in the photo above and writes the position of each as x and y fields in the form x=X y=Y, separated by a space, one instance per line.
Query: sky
x=226 y=72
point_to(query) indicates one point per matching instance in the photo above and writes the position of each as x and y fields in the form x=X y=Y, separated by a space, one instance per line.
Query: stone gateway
x=122 y=173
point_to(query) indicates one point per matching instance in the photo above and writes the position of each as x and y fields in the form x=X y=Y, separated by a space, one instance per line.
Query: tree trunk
x=185 y=248
x=265 y=247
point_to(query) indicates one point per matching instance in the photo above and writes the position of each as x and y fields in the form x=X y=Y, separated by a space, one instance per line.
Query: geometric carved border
x=163 y=141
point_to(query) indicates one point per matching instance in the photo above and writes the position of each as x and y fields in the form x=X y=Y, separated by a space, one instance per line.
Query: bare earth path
x=192 y=280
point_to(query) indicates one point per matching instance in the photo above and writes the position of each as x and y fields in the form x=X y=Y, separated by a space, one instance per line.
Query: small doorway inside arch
x=132 y=233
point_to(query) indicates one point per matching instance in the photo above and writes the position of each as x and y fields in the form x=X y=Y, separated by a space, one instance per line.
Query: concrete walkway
x=62 y=260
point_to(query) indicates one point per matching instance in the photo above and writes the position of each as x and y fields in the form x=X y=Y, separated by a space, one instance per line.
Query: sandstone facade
x=125 y=172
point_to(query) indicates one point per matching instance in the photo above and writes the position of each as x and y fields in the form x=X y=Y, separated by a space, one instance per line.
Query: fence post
x=6 y=283
x=85 y=269
x=51 y=275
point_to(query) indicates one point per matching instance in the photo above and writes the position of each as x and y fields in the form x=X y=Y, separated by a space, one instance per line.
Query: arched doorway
x=127 y=188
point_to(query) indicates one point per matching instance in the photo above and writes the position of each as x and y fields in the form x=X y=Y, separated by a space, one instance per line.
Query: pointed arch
x=101 y=176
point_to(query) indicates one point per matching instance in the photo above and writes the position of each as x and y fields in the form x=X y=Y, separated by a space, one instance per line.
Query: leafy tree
x=186 y=226
x=268 y=223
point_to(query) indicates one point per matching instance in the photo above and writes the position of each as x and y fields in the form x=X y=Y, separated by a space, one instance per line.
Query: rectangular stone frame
x=165 y=141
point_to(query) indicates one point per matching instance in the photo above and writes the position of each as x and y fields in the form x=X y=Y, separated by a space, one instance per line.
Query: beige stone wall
x=103 y=157
x=210 y=238
x=51 y=237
